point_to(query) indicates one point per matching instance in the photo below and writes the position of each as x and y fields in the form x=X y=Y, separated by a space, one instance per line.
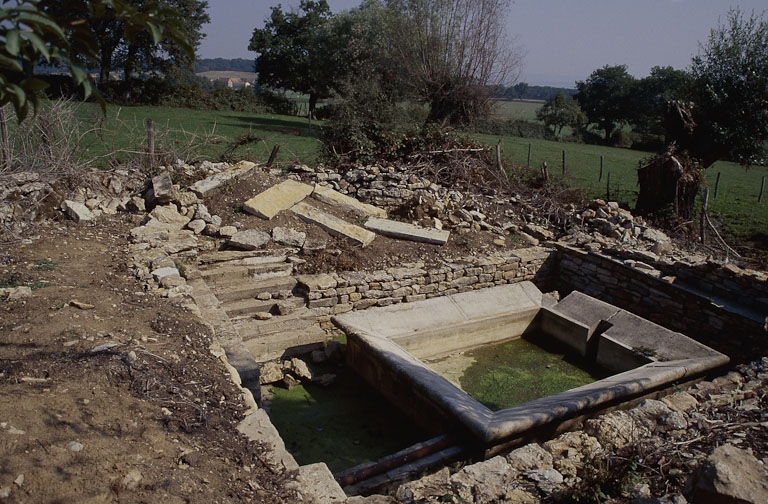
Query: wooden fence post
x=273 y=155
x=703 y=226
x=565 y=170
x=717 y=185
x=498 y=156
x=608 y=187
x=151 y=142
x=762 y=188
x=602 y=163
x=5 y=148
x=529 y=156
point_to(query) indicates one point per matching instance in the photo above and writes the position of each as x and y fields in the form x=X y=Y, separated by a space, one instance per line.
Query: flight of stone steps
x=256 y=290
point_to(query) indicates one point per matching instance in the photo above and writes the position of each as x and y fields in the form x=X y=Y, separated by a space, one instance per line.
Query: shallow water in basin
x=345 y=424
x=514 y=372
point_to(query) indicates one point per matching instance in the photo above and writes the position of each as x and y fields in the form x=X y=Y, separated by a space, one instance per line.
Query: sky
x=562 y=40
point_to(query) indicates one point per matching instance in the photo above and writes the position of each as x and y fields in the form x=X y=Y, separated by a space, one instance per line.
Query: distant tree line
x=222 y=65
x=525 y=91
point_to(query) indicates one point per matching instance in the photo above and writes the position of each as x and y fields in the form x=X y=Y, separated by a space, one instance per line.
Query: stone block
x=76 y=211
x=405 y=231
x=333 y=225
x=277 y=198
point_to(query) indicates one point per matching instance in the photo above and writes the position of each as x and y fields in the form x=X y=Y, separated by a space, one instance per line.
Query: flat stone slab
x=637 y=332
x=210 y=183
x=277 y=198
x=460 y=321
x=405 y=231
x=335 y=198
x=333 y=224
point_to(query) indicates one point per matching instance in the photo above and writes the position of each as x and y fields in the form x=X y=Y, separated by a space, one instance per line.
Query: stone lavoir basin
x=388 y=347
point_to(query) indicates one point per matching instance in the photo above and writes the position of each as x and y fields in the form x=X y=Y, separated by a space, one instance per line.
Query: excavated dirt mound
x=109 y=394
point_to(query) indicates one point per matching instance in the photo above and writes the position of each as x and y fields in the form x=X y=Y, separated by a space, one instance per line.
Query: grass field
x=736 y=204
x=516 y=110
x=194 y=135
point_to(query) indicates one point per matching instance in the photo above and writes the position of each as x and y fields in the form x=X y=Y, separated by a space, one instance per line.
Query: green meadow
x=193 y=135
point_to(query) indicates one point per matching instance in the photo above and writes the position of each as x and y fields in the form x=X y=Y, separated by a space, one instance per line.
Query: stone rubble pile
x=412 y=196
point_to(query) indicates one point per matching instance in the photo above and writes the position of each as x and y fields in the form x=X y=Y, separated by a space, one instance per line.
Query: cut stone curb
x=333 y=197
x=208 y=184
x=406 y=231
x=279 y=197
x=333 y=225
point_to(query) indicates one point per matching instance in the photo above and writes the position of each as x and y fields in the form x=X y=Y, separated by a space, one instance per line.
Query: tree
x=730 y=76
x=453 y=54
x=121 y=45
x=166 y=56
x=30 y=35
x=297 y=51
x=559 y=112
x=651 y=95
x=605 y=98
x=728 y=116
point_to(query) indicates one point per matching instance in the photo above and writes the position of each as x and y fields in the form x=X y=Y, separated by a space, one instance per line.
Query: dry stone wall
x=351 y=290
x=667 y=299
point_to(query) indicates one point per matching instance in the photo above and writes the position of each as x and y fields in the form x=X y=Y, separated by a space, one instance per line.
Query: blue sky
x=562 y=40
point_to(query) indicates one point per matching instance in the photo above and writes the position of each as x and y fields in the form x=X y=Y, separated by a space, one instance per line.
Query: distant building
x=231 y=83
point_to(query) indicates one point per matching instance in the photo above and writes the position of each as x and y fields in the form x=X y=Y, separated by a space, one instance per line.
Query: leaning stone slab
x=277 y=198
x=78 y=212
x=162 y=190
x=208 y=184
x=333 y=225
x=406 y=231
x=333 y=197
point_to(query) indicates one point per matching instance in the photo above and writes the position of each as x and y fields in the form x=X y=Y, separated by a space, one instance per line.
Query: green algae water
x=514 y=372
x=345 y=424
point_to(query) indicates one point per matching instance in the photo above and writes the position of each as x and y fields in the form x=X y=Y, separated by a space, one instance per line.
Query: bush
x=370 y=125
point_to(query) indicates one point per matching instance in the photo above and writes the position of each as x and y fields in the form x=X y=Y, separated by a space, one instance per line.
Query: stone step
x=248 y=307
x=238 y=257
x=244 y=288
x=300 y=319
x=226 y=275
x=274 y=345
